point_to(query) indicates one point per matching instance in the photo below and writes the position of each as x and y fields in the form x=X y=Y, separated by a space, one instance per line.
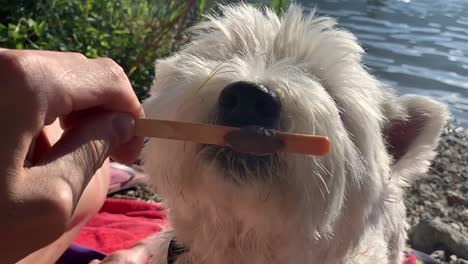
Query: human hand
x=41 y=183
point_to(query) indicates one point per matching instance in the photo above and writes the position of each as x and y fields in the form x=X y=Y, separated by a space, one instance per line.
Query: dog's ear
x=412 y=138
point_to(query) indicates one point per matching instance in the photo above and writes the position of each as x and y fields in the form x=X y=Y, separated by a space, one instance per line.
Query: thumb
x=83 y=148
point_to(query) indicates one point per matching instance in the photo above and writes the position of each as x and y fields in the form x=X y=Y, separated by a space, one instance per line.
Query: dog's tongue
x=254 y=140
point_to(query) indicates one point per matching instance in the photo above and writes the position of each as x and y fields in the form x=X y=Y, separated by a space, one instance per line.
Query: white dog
x=295 y=73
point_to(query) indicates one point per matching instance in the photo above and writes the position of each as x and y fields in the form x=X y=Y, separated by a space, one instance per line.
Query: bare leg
x=89 y=204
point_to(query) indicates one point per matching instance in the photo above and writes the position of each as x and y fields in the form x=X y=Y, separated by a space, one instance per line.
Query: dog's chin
x=242 y=167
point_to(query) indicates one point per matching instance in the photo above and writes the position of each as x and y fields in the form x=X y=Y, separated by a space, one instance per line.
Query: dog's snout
x=244 y=104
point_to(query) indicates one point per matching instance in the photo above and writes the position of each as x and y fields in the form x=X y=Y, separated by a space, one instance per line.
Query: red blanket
x=120 y=224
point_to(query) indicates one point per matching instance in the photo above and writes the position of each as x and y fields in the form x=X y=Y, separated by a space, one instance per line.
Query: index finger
x=80 y=84
x=64 y=82
x=92 y=83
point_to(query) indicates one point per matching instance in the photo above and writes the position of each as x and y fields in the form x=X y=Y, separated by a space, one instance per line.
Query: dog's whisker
x=210 y=76
x=319 y=188
x=322 y=168
x=224 y=72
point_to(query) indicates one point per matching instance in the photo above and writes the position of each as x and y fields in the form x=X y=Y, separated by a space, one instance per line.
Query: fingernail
x=124 y=127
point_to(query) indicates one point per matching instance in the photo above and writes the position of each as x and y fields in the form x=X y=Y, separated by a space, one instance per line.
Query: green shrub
x=132 y=32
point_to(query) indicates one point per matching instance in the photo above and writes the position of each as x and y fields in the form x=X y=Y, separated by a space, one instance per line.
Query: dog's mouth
x=251 y=154
x=254 y=140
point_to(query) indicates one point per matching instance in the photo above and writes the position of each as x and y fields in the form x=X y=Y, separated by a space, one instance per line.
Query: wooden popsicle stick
x=198 y=133
x=214 y=135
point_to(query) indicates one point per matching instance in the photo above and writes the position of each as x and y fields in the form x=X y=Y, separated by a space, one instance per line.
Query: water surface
x=416 y=46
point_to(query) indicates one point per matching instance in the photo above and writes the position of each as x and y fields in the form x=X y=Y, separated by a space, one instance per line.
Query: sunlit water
x=417 y=46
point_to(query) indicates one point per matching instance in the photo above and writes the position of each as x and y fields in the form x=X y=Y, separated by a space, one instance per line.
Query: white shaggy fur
x=345 y=207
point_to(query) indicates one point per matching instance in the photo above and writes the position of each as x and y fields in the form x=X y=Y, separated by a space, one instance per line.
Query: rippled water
x=417 y=46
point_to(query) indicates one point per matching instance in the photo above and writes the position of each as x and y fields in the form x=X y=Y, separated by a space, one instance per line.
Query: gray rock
x=464 y=216
x=427 y=235
x=453 y=259
x=438 y=254
x=455 y=199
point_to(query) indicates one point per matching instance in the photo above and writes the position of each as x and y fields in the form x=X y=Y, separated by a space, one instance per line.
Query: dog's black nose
x=244 y=104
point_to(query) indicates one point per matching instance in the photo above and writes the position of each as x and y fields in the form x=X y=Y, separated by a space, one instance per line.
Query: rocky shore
x=437 y=202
